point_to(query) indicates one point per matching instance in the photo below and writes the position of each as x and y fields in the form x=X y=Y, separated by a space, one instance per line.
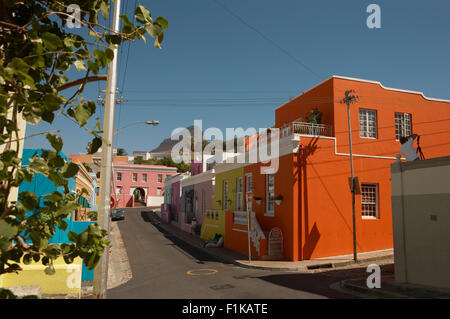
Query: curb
x=230 y=260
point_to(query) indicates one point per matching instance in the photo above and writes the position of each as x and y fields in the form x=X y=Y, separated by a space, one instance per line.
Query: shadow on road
x=188 y=249
x=318 y=283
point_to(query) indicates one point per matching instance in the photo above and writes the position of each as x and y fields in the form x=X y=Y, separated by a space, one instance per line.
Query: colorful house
x=141 y=185
x=171 y=207
x=84 y=179
x=304 y=209
x=42 y=186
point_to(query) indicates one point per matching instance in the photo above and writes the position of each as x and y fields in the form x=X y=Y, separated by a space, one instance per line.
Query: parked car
x=117 y=214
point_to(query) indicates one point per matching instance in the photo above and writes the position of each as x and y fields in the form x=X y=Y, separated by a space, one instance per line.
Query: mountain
x=167 y=144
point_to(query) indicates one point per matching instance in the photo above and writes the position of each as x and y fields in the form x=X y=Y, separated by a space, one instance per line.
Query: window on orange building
x=144 y=177
x=158 y=191
x=402 y=125
x=248 y=183
x=160 y=178
x=270 y=194
x=134 y=177
x=369 y=201
x=119 y=176
x=239 y=194
x=367 y=123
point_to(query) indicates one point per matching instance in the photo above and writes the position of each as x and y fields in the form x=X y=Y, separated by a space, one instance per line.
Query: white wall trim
x=365 y=81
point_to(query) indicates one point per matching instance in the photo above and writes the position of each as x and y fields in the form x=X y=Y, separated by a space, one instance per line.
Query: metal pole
x=355 y=256
x=101 y=270
x=248 y=231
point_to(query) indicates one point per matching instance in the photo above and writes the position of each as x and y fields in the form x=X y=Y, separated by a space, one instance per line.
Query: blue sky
x=215 y=68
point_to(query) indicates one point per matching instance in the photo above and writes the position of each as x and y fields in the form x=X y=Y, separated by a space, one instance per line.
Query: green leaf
x=54 y=197
x=27 y=175
x=51 y=41
x=50 y=270
x=142 y=15
x=29 y=200
x=57 y=179
x=104 y=9
x=128 y=26
x=27 y=259
x=73 y=237
x=7 y=230
x=162 y=22
x=55 y=141
x=48 y=116
x=83 y=112
x=153 y=29
x=70 y=170
x=18 y=65
x=66 y=209
x=53 y=101
x=38 y=165
x=79 y=65
x=94 y=145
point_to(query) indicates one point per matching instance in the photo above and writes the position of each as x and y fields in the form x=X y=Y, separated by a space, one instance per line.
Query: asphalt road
x=165 y=267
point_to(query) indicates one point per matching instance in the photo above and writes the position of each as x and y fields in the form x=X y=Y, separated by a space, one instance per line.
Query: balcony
x=305 y=128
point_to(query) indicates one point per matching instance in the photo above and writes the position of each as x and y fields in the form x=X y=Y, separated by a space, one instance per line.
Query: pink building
x=140 y=185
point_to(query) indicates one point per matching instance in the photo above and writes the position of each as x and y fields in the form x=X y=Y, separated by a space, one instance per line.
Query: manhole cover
x=220 y=287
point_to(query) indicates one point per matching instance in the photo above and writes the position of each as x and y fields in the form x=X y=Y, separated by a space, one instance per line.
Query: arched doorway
x=139 y=197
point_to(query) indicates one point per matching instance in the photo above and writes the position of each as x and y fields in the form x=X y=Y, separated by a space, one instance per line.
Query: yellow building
x=228 y=195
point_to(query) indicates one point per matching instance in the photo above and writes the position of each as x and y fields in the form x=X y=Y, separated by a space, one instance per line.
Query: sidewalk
x=393 y=290
x=229 y=256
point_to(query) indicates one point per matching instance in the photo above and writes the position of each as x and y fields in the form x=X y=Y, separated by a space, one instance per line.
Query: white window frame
x=248 y=177
x=135 y=177
x=158 y=191
x=377 y=199
x=269 y=198
x=364 y=130
x=401 y=124
x=144 y=177
x=240 y=194
x=225 y=194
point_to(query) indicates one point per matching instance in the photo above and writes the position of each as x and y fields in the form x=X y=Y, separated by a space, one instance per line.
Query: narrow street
x=165 y=267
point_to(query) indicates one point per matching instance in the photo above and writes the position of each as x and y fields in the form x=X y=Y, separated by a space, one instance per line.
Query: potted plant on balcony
x=257 y=200
x=278 y=199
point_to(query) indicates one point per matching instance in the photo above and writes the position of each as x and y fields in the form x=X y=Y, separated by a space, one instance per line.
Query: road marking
x=202 y=272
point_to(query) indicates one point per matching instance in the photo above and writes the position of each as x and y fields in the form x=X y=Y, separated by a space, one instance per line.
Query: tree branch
x=70 y=84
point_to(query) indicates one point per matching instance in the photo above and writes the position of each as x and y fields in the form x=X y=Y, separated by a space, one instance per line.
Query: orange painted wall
x=321 y=199
x=284 y=216
x=321 y=97
x=238 y=240
x=430 y=119
x=324 y=201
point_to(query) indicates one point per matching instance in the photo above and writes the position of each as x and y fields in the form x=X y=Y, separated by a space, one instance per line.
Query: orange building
x=307 y=203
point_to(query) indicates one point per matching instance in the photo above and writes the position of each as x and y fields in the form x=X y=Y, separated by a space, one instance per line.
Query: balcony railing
x=306 y=129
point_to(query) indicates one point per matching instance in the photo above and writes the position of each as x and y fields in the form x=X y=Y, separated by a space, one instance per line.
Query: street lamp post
x=349 y=99
x=101 y=270
x=154 y=123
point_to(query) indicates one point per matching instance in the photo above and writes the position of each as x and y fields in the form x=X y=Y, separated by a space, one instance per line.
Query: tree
x=121 y=152
x=167 y=161
x=38 y=47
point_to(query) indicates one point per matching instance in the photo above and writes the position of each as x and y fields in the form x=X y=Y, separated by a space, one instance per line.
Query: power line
x=124 y=75
x=268 y=39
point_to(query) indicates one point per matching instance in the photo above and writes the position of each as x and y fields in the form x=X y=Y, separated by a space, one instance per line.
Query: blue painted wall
x=42 y=186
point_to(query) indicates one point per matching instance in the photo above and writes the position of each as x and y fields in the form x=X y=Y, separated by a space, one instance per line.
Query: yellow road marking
x=202 y=272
